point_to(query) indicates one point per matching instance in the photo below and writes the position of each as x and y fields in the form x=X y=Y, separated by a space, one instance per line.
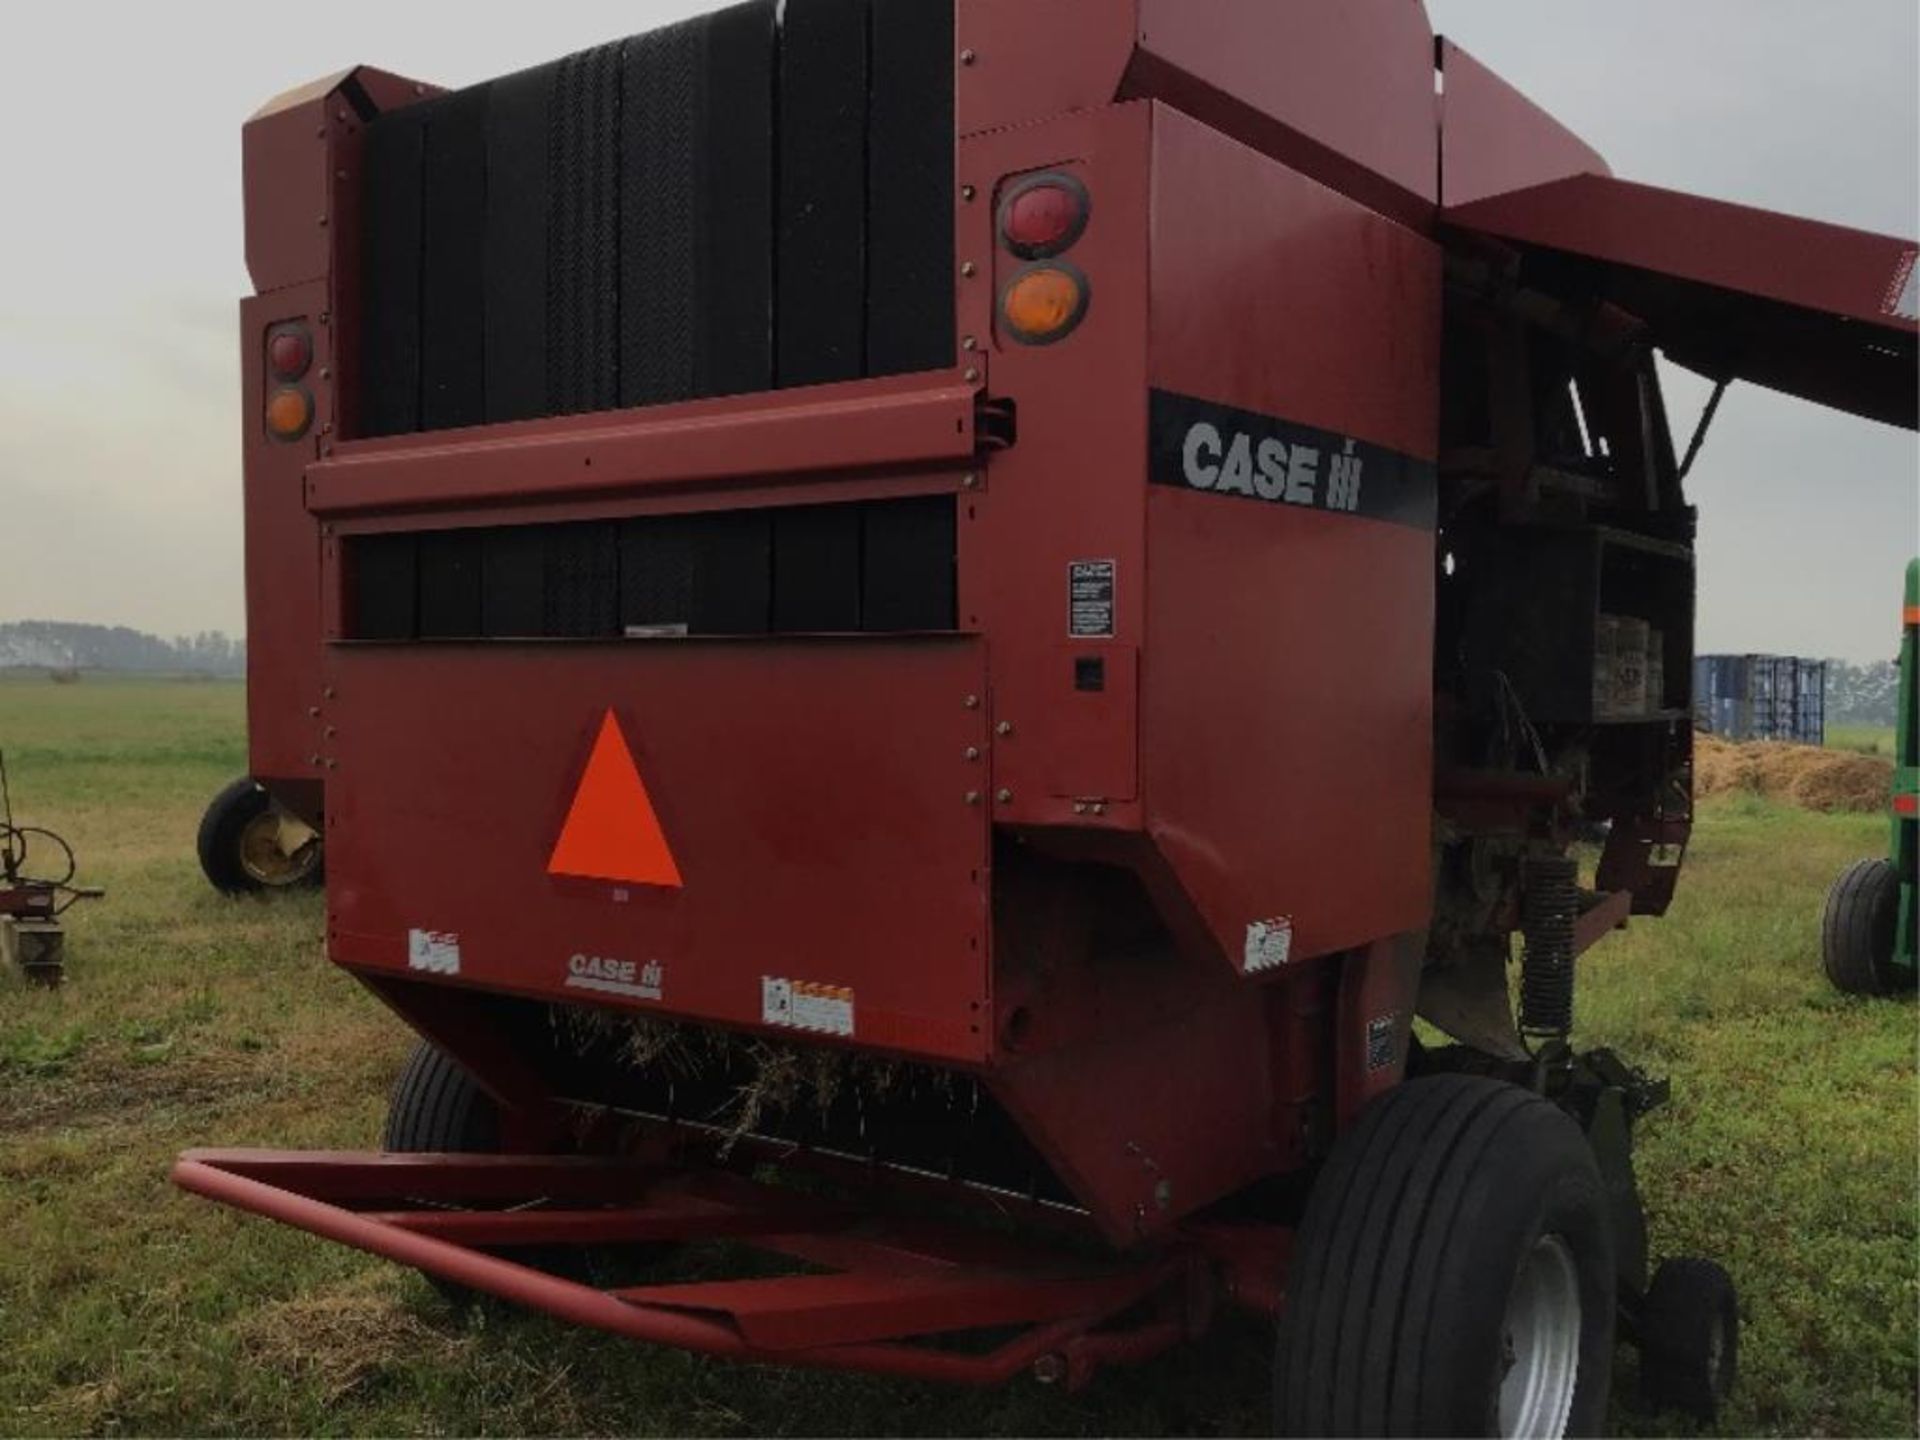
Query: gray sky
x=120 y=266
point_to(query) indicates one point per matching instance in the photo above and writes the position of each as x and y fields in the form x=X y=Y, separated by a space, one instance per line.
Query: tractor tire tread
x=1363 y=1330
x=1857 y=928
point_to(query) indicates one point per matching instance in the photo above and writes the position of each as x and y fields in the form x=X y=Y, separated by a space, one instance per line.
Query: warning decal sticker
x=1269 y=945
x=1090 y=599
x=611 y=831
x=803 y=1005
x=437 y=952
x=1383 y=1040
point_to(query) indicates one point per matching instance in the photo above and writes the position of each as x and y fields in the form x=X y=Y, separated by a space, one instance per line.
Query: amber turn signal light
x=1044 y=303
x=289 y=413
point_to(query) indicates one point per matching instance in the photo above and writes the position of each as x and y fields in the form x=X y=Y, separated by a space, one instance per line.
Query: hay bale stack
x=1804 y=775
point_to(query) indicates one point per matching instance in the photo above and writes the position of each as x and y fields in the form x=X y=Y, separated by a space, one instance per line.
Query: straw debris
x=771 y=1078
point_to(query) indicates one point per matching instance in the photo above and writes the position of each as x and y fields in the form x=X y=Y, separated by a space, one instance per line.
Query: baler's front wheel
x=1453 y=1273
x=248 y=844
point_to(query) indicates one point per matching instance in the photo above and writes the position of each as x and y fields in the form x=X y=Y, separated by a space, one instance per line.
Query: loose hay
x=773 y=1078
x=342 y=1336
x=1803 y=775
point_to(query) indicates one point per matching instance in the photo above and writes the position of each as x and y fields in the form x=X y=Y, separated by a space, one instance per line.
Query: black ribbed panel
x=452 y=278
x=514 y=600
x=450 y=585
x=390 y=252
x=822 y=288
x=583 y=269
x=656 y=573
x=908 y=570
x=734 y=252
x=515 y=298
x=732 y=579
x=910 y=301
x=383 y=571
x=816 y=569
x=714 y=208
x=880 y=566
x=582 y=582
x=659 y=203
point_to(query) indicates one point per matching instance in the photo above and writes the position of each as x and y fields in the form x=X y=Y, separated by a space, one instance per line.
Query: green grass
x=126 y=1307
x=1867 y=739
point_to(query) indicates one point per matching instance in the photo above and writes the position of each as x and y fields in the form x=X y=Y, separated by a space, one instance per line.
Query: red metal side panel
x=1069 y=492
x=1022 y=62
x=1495 y=139
x=813 y=795
x=1351 y=81
x=283 y=157
x=1814 y=310
x=1287 y=678
x=282 y=552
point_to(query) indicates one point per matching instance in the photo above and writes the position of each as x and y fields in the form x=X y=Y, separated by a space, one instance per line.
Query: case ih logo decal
x=1215 y=449
x=617 y=977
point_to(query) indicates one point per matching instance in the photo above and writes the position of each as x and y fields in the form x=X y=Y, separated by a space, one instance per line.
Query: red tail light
x=1044 y=215
x=289 y=352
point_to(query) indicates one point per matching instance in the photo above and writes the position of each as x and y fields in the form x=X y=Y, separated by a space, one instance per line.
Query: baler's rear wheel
x=1453 y=1274
x=1857 y=932
x=438 y=1108
x=248 y=844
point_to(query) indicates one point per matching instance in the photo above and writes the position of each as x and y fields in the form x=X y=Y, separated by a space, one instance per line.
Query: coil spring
x=1550 y=902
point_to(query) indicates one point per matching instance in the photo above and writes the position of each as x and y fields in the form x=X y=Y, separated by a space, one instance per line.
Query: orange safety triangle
x=612 y=832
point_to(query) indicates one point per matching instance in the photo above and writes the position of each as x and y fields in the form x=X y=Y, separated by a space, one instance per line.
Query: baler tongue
x=1814 y=310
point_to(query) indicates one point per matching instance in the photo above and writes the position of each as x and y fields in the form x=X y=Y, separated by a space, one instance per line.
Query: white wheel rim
x=1540 y=1343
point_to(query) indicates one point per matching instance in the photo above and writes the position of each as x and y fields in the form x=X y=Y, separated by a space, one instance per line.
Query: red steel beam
x=794 y=1312
x=673 y=1220
x=863 y=425
x=1607 y=914
x=233 y=1178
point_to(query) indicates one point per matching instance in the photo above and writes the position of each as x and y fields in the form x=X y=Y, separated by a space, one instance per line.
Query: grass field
x=1867 y=739
x=125 y=1307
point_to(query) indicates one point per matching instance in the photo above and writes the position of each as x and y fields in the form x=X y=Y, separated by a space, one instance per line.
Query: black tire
x=1689 y=1339
x=1857 y=931
x=438 y=1108
x=1415 y=1233
x=223 y=830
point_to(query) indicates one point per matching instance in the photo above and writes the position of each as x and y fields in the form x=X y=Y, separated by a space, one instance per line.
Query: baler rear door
x=752 y=833
x=1814 y=310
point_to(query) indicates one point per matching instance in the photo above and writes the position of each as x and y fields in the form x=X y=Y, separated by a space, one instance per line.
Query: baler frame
x=889 y=1281
x=1048 y=850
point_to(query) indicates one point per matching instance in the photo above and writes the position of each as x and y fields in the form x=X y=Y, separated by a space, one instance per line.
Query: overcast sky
x=120 y=265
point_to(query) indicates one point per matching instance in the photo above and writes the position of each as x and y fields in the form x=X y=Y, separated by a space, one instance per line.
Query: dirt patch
x=1803 y=775
x=343 y=1336
x=114 y=1091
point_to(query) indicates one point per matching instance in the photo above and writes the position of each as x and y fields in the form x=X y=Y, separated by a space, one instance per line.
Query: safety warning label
x=803 y=1005
x=1090 y=599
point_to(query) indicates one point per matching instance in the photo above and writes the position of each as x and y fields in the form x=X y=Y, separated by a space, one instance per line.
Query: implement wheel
x=248 y=844
x=1453 y=1274
x=438 y=1108
x=1857 y=932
